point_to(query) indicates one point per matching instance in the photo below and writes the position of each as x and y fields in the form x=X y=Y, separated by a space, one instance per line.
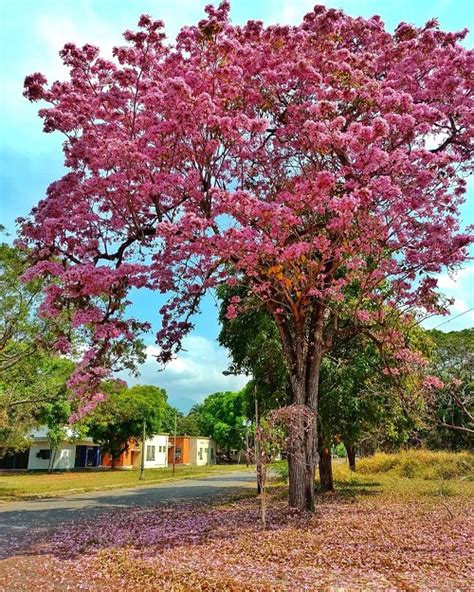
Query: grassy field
x=381 y=530
x=406 y=484
x=15 y=486
x=423 y=464
x=409 y=474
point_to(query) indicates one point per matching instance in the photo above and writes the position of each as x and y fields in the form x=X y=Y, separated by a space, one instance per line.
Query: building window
x=200 y=454
x=178 y=453
x=212 y=453
x=45 y=454
x=206 y=450
x=150 y=452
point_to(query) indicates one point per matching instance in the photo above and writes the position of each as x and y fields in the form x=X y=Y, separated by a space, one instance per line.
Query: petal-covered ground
x=372 y=541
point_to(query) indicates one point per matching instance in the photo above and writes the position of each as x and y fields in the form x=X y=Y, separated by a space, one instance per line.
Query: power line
x=456 y=317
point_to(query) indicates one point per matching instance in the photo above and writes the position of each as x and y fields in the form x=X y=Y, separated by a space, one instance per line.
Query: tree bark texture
x=326 y=480
x=351 y=455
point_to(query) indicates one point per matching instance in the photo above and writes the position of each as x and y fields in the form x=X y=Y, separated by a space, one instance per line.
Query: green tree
x=189 y=424
x=185 y=424
x=254 y=343
x=453 y=407
x=167 y=418
x=222 y=416
x=32 y=376
x=360 y=405
x=356 y=400
x=54 y=412
x=121 y=416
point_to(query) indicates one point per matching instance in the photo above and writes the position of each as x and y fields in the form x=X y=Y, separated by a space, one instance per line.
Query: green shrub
x=339 y=450
x=421 y=464
x=280 y=467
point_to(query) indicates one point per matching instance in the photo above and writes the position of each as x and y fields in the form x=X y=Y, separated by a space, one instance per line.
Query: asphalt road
x=21 y=522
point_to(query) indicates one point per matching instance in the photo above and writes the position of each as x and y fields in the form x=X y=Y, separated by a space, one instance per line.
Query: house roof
x=40 y=434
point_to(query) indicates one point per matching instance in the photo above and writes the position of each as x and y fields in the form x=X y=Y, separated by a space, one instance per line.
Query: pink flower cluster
x=299 y=158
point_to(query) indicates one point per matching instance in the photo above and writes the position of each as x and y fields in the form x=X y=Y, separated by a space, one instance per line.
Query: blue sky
x=33 y=31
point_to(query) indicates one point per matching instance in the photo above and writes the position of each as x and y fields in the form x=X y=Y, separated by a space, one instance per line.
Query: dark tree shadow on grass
x=351 y=490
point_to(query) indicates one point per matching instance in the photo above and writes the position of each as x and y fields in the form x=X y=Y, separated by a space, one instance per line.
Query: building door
x=80 y=457
x=92 y=456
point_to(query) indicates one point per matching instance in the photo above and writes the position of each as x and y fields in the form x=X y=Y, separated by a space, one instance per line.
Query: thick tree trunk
x=302 y=455
x=297 y=476
x=114 y=461
x=351 y=455
x=302 y=345
x=326 y=480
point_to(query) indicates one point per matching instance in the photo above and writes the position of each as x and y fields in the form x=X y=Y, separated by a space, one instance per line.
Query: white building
x=202 y=451
x=73 y=453
x=156 y=451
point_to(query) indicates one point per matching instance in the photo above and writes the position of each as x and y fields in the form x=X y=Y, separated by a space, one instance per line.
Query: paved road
x=22 y=521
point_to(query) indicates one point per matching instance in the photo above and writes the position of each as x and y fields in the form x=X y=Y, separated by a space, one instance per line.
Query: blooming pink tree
x=322 y=163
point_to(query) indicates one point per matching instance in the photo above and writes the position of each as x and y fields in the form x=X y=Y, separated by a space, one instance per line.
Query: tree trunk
x=52 y=458
x=302 y=346
x=326 y=481
x=114 y=460
x=311 y=460
x=297 y=477
x=351 y=455
x=302 y=459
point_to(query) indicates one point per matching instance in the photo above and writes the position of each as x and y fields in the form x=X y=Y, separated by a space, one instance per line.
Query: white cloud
x=54 y=31
x=289 y=13
x=460 y=286
x=195 y=373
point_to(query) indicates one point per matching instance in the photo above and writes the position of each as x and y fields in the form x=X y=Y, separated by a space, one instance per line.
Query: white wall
x=64 y=458
x=160 y=442
x=200 y=451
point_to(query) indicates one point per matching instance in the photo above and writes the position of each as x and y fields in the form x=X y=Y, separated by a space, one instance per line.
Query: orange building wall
x=183 y=443
x=125 y=459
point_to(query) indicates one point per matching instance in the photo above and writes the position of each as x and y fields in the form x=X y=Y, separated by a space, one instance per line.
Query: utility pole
x=174 y=449
x=247 y=444
x=142 y=460
x=257 y=448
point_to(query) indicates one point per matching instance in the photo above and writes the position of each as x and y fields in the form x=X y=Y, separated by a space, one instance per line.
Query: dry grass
x=420 y=464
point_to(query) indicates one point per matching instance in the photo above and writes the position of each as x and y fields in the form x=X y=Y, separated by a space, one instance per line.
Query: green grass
x=18 y=486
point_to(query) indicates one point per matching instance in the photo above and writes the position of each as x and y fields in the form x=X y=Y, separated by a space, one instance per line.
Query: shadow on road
x=21 y=524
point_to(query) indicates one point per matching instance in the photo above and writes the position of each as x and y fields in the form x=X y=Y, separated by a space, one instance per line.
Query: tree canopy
x=33 y=378
x=453 y=404
x=121 y=416
x=322 y=164
x=222 y=416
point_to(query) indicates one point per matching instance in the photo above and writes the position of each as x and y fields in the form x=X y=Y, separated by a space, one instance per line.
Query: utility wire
x=456 y=317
